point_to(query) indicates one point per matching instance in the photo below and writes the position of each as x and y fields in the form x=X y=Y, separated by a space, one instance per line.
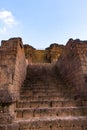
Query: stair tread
x=23 y=101
x=51 y=108
x=37 y=103
x=53 y=118
x=43 y=123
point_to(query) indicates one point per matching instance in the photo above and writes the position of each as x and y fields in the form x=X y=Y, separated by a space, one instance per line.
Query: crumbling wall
x=53 y=52
x=20 y=69
x=72 y=66
x=12 y=73
x=49 y=55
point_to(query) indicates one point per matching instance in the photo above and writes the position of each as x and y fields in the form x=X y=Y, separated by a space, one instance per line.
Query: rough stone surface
x=12 y=65
x=72 y=66
x=12 y=74
x=49 y=55
x=5 y=118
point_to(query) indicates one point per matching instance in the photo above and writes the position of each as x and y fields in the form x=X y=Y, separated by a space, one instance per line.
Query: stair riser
x=39 y=91
x=10 y=127
x=38 y=104
x=33 y=105
x=57 y=128
x=40 y=94
x=44 y=113
x=42 y=98
x=38 y=87
x=55 y=125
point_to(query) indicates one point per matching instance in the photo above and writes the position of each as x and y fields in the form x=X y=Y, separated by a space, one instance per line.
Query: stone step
x=37 y=104
x=46 y=78
x=43 y=78
x=43 y=85
x=10 y=126
x=40 y=90
x=5 y=118
x=49 y=112
x=46 y=90
x=43 y=98
x=54 y=123
x=49 y=84
x=36 y=94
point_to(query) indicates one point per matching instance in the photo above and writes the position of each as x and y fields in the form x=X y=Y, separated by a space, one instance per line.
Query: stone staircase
x=46 y=103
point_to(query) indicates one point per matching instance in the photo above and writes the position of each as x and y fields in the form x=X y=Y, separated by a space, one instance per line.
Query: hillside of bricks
x=43 y=89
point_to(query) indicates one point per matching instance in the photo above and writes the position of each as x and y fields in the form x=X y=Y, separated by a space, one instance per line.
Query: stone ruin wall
x=48 y=55
x=12 y=72
x=72 y=66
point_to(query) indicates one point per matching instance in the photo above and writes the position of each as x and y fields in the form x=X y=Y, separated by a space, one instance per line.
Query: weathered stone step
x=40 y=90
x=44 y=85
x=36 y=104
x=47 y=96
x=54 y=123
x=5 y=118
x=42 y=78
x=37 y=82
x=11 y=126
x=42 y=98
x=43 y=88
x=47 y=112
x=31 y=91
x=49 y=90
x=36 y=94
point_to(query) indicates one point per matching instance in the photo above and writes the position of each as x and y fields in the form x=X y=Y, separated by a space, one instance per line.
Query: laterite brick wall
x=12 y=72
x=72 y=66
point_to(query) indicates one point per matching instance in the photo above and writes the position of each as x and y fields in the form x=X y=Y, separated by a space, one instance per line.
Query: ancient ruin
x=43 y=89
x=49 y=55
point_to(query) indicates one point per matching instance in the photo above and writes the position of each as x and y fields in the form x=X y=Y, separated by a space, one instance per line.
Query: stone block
x=28 y=113
x=19 y=114
x=5 y=118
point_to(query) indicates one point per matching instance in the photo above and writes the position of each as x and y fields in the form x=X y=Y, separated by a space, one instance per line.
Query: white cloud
x=7 y=19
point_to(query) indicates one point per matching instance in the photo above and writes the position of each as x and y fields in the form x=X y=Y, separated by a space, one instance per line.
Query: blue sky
x=42 y=22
